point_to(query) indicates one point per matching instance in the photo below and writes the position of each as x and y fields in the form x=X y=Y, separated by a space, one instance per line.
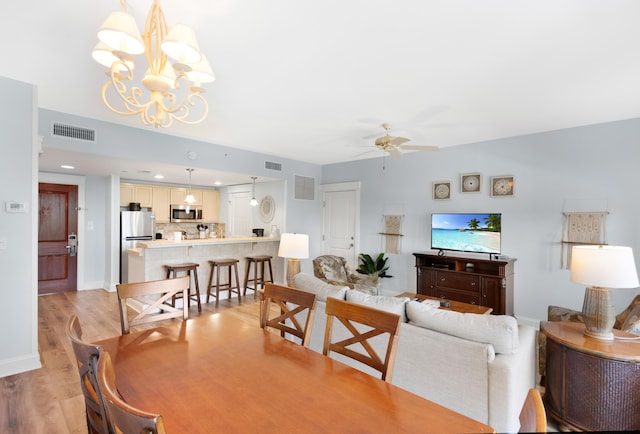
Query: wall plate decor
x=267 y=209
x=441 y=190
x=502 y=186
x=470 y=183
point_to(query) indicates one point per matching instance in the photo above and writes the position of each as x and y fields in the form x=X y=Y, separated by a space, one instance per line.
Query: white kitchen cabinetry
x=160 y=205
x=210 y=206
x=178 y=195
x=136 y=193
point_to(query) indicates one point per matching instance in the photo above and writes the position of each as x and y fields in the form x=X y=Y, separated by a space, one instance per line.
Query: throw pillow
x=310 y=283
x=390 y=304
x=632 y=323
x=501 y=331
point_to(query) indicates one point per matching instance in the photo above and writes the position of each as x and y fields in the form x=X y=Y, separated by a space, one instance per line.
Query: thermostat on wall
x=15 y=207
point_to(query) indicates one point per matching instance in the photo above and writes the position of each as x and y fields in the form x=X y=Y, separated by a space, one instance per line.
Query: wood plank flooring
x=49 y=400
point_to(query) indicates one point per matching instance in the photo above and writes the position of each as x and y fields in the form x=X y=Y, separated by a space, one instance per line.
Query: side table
x=591 y=385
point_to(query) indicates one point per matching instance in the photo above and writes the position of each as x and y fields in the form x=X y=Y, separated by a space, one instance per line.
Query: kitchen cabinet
x=210 y=206
x=475 y=281
x=160 y=205
x=136 y=193
x=178 y=195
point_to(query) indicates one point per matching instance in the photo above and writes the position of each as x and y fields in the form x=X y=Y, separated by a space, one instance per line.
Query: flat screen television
x=478 y=233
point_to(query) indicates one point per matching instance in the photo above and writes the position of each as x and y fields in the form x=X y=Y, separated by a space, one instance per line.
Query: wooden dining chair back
x=86 y=355
x=154 y=297
x=532 y=416
x=378 y=323
x=123 y=418
x=292 y=303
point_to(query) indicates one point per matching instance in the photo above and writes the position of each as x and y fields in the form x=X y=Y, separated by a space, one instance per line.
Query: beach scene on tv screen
x=466 y=232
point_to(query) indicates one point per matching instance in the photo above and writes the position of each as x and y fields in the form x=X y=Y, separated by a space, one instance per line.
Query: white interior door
x=239 y=214
x=341 y=215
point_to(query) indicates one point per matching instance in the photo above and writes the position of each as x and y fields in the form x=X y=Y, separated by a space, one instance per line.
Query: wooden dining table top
x=218 y=373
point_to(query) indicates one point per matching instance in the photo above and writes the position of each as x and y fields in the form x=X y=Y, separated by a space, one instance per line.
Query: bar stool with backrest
x=188 y=268
x=258 y=280
x=232 y=270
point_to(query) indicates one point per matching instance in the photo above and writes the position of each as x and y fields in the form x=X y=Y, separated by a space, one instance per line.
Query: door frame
x=54 y=178
x=343 y=186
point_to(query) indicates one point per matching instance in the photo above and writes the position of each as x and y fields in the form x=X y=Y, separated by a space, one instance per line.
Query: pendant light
x=189 y=199
x=254 y=201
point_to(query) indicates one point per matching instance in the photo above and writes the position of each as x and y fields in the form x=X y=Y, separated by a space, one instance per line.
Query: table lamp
x=293 y=247
x=602 y=267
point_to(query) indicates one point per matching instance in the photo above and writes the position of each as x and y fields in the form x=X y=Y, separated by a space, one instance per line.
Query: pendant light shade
x=189 y=199
x=254 y=201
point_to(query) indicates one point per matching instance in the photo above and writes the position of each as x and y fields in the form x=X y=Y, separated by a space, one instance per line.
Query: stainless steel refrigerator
x=135 y=226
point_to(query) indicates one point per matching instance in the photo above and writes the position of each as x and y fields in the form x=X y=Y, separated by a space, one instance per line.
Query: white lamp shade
x=190 y=199
x=201 y=72
x=604 y=266
x=294 y=246
x=103 y=54
x=181 y=44
x=120 y=32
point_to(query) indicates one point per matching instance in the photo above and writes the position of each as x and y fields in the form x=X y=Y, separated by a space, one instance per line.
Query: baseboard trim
x=18 y=365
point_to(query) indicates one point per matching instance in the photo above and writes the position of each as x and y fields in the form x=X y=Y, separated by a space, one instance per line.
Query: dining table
x=222 y=373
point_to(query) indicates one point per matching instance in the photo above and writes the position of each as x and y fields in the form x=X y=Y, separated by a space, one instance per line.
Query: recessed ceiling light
x=158 y=176
x=66 y=166
x=217 y=183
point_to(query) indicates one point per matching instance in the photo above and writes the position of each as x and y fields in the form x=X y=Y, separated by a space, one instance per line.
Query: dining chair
x=532 y=416
x=291 y=302
x=154 y=297
x=378 y=322
x=124 y=418
x=86 y=359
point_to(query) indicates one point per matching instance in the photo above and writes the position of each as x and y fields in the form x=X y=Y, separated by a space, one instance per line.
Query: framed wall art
x=502 y=186
x=470 y=182
x=441 y=190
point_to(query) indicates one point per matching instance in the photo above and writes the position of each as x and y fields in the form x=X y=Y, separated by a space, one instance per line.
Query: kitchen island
x=147 y=261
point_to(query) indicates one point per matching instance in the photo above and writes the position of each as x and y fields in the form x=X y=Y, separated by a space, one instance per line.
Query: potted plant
x=373 y=268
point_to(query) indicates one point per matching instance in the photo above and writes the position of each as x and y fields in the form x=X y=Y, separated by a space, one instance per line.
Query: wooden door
x=58 y=218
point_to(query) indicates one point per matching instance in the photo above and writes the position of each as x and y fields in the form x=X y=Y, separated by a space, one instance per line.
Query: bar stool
x=258 y=278
x=216 y=266
x=174 y=269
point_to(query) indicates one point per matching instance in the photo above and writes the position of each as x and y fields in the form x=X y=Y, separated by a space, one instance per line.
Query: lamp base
x=293 y=268
x=598 y=314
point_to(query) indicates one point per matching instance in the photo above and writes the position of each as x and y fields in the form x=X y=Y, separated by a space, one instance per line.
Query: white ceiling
x=308 y=80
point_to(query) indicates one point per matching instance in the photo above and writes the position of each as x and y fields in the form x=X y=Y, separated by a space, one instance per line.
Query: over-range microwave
x=185 y=213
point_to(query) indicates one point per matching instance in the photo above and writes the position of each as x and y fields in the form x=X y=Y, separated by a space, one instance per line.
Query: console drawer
x=464 y=297
x=461 y=281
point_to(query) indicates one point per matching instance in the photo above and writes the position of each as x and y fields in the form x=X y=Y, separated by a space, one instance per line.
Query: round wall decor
x=267 y=209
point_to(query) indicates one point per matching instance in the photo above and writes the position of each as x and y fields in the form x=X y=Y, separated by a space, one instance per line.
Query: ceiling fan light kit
x=175 y=70
x=393 y=145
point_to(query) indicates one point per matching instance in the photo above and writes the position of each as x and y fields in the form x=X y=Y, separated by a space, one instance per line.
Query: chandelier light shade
x=293 y=247
x=254 y=201
x=602 y=267
x=175 y=69
x=189 y=199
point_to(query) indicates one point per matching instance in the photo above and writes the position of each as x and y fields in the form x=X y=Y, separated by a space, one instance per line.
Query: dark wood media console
x=469 y=280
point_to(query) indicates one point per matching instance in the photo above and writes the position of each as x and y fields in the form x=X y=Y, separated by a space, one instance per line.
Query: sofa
x=479 y=365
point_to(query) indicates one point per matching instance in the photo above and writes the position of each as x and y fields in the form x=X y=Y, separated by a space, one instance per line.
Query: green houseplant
x=373 y=267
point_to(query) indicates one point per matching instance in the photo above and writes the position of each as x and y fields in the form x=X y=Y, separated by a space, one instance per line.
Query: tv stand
x=469 y=280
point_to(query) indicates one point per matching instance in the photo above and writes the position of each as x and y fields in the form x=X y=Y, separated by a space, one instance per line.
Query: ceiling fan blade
x=384 y=140
x=396 y=141
x=394 y=152
x=420 y=148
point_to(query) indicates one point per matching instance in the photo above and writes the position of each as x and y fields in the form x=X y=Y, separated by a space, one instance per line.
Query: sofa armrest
x=510 y=377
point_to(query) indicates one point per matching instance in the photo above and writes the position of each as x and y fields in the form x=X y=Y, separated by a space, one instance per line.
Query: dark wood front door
x=58 y=210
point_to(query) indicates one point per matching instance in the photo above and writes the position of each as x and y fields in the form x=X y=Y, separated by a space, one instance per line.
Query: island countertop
x=158 y=244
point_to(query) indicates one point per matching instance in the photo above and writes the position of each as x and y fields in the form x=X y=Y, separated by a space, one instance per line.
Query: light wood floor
x=49 y=400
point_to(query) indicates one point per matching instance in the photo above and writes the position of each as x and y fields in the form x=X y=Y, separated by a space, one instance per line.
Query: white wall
x=18 y=232
x=556 y=171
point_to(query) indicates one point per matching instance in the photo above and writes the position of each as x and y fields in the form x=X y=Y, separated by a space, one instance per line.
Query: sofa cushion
x=389 y=304
x=501 y=331
x=310 y=283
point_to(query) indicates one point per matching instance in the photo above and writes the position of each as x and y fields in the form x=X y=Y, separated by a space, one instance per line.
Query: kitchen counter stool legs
x=216 y=268
x=189 y=268
x=258 y=280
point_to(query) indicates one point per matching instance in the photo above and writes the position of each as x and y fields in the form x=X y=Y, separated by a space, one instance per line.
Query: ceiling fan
x=393 y=145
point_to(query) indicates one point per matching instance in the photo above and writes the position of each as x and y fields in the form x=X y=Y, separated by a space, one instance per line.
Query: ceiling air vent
x=71 y=132
x=303 y=188
x=273 y=166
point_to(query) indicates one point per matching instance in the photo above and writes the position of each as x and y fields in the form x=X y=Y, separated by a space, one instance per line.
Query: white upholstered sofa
x=479 y=365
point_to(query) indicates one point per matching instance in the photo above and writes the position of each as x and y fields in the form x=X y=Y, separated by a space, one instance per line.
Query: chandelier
x=175 y=71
